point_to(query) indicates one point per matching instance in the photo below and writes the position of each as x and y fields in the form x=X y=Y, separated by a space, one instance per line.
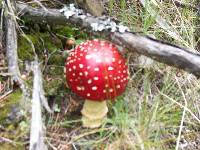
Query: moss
x=57 y=60
x=24 y=50
x=46 y=43
x=42 y=42
x=69 y=31
x=12 y=130
x=11 y=100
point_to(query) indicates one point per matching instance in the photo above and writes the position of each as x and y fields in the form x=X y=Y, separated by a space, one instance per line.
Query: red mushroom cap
x=95 y=70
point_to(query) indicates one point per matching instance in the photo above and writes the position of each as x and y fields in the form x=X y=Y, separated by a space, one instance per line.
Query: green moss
x=11 y=100
x=12 y=131
x=24 y=49
x=57 y=60
x=69 y=31
x=42 y=42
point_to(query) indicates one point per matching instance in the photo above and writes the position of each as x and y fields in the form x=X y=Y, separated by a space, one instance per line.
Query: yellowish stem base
x=94 y=113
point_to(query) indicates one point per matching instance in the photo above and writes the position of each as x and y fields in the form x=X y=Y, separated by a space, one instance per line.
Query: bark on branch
x=11 y=46
x=37 y=128
x=157 y=50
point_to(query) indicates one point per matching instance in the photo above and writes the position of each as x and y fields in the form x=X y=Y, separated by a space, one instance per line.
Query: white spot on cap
x=89 y=81
x=119 y=61
x=110 y=76
x=115 y=78
x=102 y=43
x=118 y=86
x=106 y=85
x=106 y=77
x=80 y=73
x=94 y=88
x=81 y=54
x=91 y=44
x=119 y=71
x=88 y=56
x=81 y=65
x=88 y=67
x=70 y=69
x=96 y=69
x=110 y=90
x=95 y=50
x=124 y=71
x=86 y=73
x=96 y=78
x=104 y=91
x=70 y=80
x=113 y=59
x=78 y=88
x=88 y=94
x=110 y=68
x=73 y=74
x=74 y=67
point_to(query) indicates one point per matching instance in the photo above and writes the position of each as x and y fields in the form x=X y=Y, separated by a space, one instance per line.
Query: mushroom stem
x=94 y=113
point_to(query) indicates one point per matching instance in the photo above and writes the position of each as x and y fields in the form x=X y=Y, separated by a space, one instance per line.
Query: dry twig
x=11 y=45
x=37 y=128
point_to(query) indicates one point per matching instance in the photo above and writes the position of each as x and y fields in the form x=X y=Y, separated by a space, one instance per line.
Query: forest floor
x=160 y=109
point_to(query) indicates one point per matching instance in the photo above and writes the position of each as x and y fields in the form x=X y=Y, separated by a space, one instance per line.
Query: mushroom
x=96 y=71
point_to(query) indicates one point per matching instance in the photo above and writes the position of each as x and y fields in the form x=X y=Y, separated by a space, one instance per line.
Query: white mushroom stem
x=94 y=113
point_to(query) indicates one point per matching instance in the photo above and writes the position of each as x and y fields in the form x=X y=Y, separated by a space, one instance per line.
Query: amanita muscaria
x=96 y=71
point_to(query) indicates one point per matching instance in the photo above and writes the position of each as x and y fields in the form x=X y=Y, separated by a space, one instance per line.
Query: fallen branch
x=37 y=128
x=157 y=50
x=11 y=45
